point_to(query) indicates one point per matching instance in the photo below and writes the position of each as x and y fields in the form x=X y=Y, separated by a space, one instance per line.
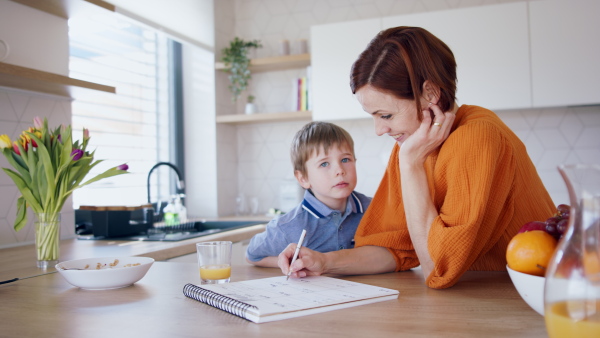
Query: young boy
x=324 y=164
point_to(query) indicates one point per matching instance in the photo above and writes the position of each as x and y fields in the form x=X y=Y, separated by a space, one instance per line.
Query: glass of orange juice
x=214 y=261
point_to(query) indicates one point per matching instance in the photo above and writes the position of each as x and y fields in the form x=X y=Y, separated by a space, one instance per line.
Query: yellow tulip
x=5 y=142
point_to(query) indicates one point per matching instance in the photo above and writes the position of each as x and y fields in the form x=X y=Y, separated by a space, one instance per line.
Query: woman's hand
x=430 y=135
x=308 y=263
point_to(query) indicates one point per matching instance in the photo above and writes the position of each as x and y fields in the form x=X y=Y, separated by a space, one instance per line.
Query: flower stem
x=47 y=235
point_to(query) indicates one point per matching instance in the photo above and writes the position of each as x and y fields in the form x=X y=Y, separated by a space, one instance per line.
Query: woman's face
x=392 y=116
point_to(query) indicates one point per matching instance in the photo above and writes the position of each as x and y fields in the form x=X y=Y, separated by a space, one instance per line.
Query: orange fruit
x=529 y=252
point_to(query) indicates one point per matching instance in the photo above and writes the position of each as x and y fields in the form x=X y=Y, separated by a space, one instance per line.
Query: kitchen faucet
x=180 y=184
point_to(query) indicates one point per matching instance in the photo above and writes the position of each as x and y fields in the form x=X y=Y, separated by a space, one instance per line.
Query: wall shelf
x=274 y=63
x=264 y=117
x=65 y=8
x=44 y=82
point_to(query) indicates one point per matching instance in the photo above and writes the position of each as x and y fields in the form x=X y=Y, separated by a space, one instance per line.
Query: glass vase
x=572 y=290
x=47 y=239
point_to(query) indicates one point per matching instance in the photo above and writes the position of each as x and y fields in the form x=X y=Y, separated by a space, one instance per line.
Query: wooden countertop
x=482 y=304
x=19 y=262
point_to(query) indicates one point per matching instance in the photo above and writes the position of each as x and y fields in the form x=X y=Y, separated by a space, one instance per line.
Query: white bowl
x=104 y=273
x=530 y=287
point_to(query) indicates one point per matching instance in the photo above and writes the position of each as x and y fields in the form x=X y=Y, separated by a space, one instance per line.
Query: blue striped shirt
x=326 y=229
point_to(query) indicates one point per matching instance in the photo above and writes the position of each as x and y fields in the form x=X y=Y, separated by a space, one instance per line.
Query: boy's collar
x=319 y=210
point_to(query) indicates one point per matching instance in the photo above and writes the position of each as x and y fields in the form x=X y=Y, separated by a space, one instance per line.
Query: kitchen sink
x=181 y=232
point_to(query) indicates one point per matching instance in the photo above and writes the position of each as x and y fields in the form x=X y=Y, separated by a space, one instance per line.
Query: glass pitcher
x=572 y=291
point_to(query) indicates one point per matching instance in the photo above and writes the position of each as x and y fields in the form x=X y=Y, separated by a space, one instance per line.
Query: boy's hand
x=308 y=263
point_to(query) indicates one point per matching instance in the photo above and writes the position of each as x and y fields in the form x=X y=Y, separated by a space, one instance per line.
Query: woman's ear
x=302 y=180
x=431 y=92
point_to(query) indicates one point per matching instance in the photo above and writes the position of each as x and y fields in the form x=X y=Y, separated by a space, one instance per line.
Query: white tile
x=531 y=116
x=265 y=161
x=551 y=139
x=367 y=11
x=339 y=14
x=550 y=118
x=551 y=159
x=276 y=7
x=261 y=20
x=19 y=103
x=320 y=11
x=276 y=24
x=535 y=149
x=246 y=9
x=7 y=113
x=407 y=7
x=590 y=137
x=590 y=116
x=571 y=128
x=385 y=6
x=251 y=29
x=514 y=120
x=291 y=31
x=588 y=156
x=304 y=20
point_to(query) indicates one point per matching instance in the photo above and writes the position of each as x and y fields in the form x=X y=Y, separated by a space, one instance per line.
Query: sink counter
x=21 y=261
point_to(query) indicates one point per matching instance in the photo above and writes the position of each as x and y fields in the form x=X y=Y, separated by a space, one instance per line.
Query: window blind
x=132 y=126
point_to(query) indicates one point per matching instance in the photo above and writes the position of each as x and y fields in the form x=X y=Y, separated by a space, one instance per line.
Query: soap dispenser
x=175 y=213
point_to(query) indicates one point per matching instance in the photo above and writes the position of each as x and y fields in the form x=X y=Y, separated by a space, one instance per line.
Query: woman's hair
x=399 y=60
x=316 y=135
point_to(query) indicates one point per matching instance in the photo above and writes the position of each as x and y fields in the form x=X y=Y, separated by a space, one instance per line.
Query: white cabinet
x=491 y=47
x=335 y=47
x=565 y=52
x=490 y=44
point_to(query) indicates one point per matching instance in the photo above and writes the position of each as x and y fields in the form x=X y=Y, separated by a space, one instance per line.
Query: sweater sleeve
x=384 y=223
x=474 y=176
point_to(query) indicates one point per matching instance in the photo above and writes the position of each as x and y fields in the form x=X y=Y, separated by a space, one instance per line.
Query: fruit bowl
x=530 y=287
x=104 y=273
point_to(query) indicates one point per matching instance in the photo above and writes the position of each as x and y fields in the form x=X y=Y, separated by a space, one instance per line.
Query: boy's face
x=330 y=177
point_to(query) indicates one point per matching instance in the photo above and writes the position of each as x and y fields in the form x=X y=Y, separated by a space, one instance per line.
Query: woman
x=459 y=183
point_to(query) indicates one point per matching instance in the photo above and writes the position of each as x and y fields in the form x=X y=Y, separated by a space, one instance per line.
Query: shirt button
x=341 y=227
x=341 y=247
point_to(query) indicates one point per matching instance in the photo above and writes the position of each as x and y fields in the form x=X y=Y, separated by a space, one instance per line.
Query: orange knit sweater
x=483 y=185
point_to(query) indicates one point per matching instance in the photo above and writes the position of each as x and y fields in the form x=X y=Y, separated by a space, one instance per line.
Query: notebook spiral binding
x=235 y=307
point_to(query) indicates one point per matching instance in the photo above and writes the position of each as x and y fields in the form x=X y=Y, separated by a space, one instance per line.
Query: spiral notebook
x=270 y=299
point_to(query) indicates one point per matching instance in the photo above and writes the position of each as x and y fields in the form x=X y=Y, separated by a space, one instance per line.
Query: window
x=132 y=126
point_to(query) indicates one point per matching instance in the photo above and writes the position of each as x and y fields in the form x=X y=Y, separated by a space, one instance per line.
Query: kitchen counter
x=21 y=261
x=482 y=304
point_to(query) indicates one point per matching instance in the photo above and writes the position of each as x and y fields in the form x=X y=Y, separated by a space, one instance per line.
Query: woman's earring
x=430 y=103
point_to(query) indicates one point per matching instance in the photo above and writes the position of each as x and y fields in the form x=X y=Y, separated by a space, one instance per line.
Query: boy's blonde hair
x=312 y=137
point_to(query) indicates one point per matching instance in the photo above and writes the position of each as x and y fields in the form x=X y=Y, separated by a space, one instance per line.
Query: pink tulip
x=38 y=123
x=86 y=133
x=16 y=148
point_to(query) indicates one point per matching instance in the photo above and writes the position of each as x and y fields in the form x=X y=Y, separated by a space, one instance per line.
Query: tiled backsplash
x=552 y=136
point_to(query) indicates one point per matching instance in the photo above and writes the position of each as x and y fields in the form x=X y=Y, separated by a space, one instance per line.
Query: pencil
x=296 y=252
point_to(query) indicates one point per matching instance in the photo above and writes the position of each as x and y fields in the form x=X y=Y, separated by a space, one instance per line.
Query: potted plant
x=250 y=107
x=235 y=58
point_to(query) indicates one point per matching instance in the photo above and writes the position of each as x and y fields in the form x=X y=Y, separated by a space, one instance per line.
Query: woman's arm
x=357 y=261
x=418 y=205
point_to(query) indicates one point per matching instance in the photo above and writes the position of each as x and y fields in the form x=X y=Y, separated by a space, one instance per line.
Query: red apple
x=535 y=225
